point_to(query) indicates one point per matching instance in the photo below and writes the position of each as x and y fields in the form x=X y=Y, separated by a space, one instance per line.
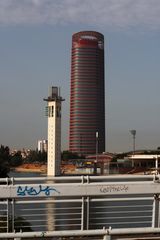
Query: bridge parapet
x=82 y=204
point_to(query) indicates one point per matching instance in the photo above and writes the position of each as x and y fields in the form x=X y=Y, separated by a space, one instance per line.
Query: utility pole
x=133 y=132
x=95 y=163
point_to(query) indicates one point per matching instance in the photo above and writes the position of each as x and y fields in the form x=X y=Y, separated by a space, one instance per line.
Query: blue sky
x=35 y=46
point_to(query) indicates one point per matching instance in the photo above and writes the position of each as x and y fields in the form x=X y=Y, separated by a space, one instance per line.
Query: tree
x=20 y=224
x=4 y=161
x=37 y=157
x=67 y=155
x=16 y=159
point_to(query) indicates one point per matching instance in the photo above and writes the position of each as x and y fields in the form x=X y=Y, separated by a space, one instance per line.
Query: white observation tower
x=53 y=112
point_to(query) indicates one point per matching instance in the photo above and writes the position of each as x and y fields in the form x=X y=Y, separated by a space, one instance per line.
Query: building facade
x=42 y=145
x=87 y=99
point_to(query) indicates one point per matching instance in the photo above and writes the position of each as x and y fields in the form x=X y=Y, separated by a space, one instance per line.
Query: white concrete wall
x=54 y=138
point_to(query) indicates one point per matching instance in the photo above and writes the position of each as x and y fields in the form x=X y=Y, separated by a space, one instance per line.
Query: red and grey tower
x=87 y=100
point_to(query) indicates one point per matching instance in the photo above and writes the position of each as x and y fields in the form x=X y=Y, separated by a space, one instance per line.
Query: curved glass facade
x=87 y=103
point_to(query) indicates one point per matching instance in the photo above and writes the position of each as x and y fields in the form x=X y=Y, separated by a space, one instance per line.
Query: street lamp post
x=95 y=163
x=96 y=146
x=133 y=132
x=156 y=165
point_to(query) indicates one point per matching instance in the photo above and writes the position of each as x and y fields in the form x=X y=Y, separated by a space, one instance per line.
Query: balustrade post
x=155 y=217
x=87 y=213
x=82 y=213
x=7 y=215
x=107 y=237
x=13 y=214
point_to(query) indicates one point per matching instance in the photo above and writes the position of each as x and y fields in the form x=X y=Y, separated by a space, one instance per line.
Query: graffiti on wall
x=36 y=191
x=114 y=188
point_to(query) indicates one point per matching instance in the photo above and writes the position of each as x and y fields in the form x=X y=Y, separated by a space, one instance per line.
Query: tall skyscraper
x=87 y=100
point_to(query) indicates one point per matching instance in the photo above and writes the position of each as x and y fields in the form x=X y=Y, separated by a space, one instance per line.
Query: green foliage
x=16 y=159
x=67 y=155
x=4 y=161
x=114 y=159
x=20 y=224
x=152 y=151
x=3 y=224
x=119 y=156
x=37 y=157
